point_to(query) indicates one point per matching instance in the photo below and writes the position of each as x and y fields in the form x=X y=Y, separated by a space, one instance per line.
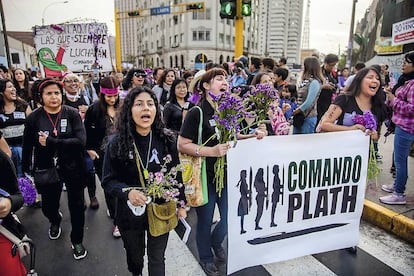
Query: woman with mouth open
x=137 y=149
x=214 y=81
x=361 y=97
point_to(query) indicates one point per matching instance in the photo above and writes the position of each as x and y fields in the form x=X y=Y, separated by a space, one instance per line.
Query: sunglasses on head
x=139 y=74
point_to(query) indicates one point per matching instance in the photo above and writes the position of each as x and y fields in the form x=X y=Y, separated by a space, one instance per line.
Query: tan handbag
x=194 y=174
x=162 y=218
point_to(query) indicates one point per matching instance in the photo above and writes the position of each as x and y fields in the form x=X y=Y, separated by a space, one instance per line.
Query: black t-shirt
x=349 y=107
x=189 y=130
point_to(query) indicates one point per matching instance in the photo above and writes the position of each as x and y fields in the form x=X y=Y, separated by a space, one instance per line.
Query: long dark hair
x=24 y=92
x=173 y=97
x=377 y=101
x=107 y=82
x=125 y=124
x=164 y=76
x=20 y=104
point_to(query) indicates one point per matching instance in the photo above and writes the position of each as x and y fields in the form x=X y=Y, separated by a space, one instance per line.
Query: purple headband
x=109 y=91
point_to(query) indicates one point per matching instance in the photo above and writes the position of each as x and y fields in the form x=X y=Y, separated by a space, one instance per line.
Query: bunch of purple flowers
x=260 y=99
x=367 y=119
x=28 y=190
x=164 y=184
x=229 y=113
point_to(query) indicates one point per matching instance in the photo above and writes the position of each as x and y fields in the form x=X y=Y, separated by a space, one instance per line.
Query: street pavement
x=379 y=252
x=398 y=219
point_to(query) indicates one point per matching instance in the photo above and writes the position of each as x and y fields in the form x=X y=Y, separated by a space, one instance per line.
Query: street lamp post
x=351 y=36
x=51 y=4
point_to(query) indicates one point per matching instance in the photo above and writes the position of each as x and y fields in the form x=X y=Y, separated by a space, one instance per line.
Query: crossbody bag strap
x=140 y=175
x=200 y=127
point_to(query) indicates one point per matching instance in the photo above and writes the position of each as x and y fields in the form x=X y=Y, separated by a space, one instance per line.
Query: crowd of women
x=126 y=125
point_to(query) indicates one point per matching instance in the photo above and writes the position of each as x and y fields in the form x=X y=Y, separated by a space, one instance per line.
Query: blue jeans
x=17 y=159
x=308 y=126
x=205 y=239
x=402 y=145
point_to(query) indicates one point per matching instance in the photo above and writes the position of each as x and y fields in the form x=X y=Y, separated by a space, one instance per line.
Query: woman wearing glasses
x=134 y=78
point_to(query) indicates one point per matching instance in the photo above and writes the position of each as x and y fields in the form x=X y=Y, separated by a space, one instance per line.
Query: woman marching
x=136 y=150
x=56 y=136
x=99 y=124
x=213 y=81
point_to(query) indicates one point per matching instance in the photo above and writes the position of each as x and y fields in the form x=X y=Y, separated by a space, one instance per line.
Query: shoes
x=55 y=230
x=220 y=254
x=272 y=224
x=388 y=188
x=79 y=252
x=378 y=157
x=242 y=231
x=115 y=232
x=94 y=203
x=210 y=269
x=64 y=187
x=258 y=227
x=393 y=199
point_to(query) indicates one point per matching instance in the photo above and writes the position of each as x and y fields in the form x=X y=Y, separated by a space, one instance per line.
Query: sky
x=329 y=19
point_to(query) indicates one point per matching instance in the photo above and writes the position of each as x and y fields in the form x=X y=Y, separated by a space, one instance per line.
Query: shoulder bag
x=194 y=173
x=162 y=218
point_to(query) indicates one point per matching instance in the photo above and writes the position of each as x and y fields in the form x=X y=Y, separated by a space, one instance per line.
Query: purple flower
x=28 y=190
x=367 y=119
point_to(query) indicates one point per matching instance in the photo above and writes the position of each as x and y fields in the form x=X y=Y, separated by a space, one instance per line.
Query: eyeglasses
x=71 y=81
x=138 y=74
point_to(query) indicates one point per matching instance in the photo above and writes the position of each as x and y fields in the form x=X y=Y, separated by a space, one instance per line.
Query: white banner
x=403 y=32
x=296 y=195
x=72 y=47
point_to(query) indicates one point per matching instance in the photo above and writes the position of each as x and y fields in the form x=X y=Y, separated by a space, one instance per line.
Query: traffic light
x=133 y=13
x=195 y=6
x=228 y=8
x=246 y=8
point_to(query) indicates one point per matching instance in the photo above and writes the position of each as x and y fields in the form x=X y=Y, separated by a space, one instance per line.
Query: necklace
x=54 y=124
x=146 y=174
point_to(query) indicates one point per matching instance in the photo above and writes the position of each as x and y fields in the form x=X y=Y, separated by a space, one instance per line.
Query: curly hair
x=24 y=92
x=127 y=82
x=125 y=124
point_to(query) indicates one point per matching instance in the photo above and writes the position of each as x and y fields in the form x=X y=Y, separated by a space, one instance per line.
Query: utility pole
x=351 y=36
x=117 y=42
x=6 y=40
x=239 y=26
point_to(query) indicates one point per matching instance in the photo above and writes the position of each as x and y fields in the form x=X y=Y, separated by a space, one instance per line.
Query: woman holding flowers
x=133 y=156
x=361 y=107
x=212 y=83
x=401 y=99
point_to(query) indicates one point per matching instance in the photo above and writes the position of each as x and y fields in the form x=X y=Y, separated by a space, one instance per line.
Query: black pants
x=51 y=203
x=134 y=244
x=90 y=177
x=109 y=199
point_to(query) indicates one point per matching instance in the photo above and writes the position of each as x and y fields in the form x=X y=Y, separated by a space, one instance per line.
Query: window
x=201 y=35
x=221 y=38
x=202 y=15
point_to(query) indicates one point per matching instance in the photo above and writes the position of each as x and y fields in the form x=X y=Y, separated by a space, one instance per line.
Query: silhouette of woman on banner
x=243 y=208
x=277 y=191
x=259 y=185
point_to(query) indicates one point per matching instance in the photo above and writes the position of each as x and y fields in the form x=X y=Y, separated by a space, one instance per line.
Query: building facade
x=189 y=39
